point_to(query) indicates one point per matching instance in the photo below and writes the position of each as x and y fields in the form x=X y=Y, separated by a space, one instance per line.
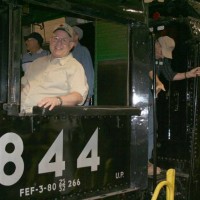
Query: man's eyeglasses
x=64 y=41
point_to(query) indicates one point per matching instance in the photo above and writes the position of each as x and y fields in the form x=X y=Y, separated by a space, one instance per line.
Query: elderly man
x=57 y=79
x=82 y=54
x=33 y=43
x=164 y=47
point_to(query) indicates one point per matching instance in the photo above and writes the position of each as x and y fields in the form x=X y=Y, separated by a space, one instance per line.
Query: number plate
x=84 y=156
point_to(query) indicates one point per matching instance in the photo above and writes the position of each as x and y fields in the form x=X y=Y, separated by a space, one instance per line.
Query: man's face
x=32 y=44
x=60 y=44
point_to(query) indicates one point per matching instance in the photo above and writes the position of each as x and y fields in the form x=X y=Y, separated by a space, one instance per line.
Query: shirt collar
x=40 y=50
x=37 y=52
x=62 y=60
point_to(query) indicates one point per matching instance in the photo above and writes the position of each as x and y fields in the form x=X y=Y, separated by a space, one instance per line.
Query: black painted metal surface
x=71 y=156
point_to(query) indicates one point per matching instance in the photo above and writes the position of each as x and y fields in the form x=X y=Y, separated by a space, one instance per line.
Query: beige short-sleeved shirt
x=46 y=78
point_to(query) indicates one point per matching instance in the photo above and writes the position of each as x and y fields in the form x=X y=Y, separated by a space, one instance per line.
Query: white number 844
x=45 y=166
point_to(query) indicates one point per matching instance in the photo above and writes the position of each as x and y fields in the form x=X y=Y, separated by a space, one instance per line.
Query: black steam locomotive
x=100 y=151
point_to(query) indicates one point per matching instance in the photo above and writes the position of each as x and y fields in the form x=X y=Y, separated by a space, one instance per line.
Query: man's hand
x=193 y=72
x=50 y=102
x=159 y=87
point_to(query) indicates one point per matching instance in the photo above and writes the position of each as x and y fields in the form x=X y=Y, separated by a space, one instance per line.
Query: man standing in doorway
x=57 y=79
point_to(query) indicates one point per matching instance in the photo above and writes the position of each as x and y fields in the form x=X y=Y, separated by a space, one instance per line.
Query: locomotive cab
x=101 y=151
x=78 y=152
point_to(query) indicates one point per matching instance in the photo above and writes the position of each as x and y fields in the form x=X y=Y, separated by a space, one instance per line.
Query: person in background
x=33 y=44
x=164 y=47
x=57 y=79
x=82 y=54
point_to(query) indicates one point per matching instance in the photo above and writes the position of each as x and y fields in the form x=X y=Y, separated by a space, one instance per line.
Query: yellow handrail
x=169 y=183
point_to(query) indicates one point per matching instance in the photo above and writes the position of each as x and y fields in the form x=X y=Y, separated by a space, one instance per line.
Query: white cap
x=167 y=44
x=78 y=31
x=64 y=27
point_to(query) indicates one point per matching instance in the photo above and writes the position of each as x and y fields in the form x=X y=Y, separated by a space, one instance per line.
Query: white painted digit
x=58 y=166
x=13 y=157
x=92 y=146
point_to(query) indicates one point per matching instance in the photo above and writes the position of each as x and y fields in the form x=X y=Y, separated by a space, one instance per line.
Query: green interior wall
x=111 y=62
x=111 y=41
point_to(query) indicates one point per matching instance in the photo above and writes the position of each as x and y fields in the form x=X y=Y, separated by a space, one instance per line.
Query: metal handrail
x=169 y=183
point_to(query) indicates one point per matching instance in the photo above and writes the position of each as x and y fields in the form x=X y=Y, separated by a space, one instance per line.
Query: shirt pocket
x=56 y=78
